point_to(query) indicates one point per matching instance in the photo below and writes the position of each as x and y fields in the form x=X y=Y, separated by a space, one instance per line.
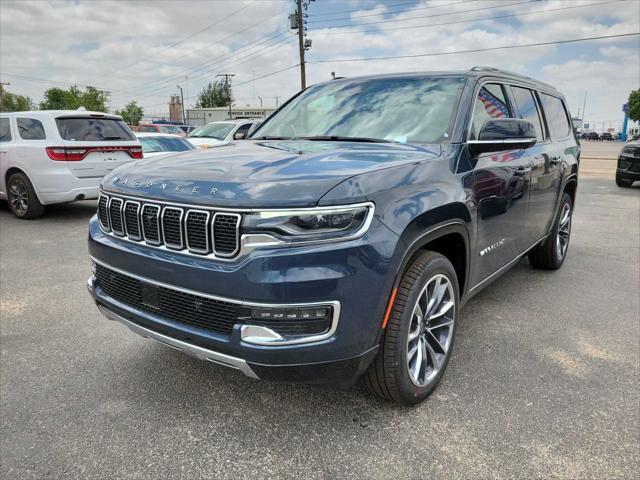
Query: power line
x=169 y=47
x=360 y=9
x=355 y=17
x=475 y=50
x=495 y=17
x=492 y=7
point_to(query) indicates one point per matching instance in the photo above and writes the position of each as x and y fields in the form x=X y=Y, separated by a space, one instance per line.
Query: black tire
x=623 y=183
x=388 y=376
x=549 y=255
x=22 y=197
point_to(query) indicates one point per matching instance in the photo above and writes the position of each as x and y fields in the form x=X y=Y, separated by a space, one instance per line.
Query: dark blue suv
x=341 y=241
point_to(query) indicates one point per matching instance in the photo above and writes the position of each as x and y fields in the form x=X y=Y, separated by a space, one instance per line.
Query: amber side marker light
x=389 y=307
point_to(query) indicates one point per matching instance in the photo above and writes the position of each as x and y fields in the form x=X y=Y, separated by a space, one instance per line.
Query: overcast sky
x=139 y=50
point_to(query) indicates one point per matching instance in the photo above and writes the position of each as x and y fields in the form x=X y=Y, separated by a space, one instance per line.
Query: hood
x=259 y=173
x=205 y=142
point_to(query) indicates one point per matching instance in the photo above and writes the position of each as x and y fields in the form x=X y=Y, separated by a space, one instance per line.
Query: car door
x=500 y=190
x=545 y=159
x=6 y=143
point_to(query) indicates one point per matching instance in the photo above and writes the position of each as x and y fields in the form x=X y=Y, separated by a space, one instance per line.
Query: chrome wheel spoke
x=564 y=231
x=431 y=329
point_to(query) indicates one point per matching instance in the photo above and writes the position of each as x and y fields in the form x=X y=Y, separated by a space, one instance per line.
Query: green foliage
x=634 y=106
x=214 y=95
x=132 y=113
x=74 y=98
x=10 y=102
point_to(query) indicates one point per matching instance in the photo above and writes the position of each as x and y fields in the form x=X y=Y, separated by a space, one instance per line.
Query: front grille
x=194 y=310
x=199 y=231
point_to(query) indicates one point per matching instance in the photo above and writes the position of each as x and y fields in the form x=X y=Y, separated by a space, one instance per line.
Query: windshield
x=219 y=131
x=405 y=110
x=170 y=129
x=164 y=144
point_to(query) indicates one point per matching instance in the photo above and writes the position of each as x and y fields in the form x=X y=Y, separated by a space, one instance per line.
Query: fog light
x=93 y=268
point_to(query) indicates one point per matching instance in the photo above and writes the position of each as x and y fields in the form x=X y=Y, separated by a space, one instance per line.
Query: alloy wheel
x=431 y=330
x=19 y=196
x=564 y=231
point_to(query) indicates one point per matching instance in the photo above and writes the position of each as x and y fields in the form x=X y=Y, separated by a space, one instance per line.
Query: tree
x=214 y=95
x=132 y=113
x=10 y=102
x=74 y=98
x=634 y=106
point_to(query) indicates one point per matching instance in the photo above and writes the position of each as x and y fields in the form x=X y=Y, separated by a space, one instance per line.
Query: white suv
x=58 y=156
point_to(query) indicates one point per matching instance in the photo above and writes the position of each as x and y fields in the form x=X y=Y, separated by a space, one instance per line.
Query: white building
x=201 y=116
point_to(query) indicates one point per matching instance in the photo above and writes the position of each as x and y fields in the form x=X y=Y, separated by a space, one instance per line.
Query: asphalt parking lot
x=543 y=383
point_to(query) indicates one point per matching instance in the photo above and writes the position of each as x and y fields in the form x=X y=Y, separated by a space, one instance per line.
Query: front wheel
x=419 y=335
x=551 y=254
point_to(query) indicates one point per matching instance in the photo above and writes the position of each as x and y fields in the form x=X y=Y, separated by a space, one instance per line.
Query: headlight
x=311 y=225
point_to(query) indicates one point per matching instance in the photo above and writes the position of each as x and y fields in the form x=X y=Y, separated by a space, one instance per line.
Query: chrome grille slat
x=151 y=224
x=172 y=227
x=132 y=220
x=103 y=213
x=225 y=233
x=190 y=230
x=115 y=216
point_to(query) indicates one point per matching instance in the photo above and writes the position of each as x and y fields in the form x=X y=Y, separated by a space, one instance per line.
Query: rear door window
x=30 y=129
x=244 y=129
x=491 y=103
x=5 y=130
x=528 y=109
x=556 y=114
x=87 y=129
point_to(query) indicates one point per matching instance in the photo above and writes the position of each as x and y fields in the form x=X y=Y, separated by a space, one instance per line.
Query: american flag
x=495 y=107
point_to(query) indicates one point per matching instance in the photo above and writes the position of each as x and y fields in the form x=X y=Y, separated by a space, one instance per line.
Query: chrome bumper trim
x=192 y=350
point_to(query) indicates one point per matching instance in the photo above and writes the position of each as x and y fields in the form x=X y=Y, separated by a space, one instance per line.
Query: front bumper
x=628 y=168
x=356 y=276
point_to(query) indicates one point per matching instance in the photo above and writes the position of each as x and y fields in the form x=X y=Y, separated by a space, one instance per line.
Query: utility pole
x=303 y=75
x=182 y=103
x=584 y=106
x=227 y=87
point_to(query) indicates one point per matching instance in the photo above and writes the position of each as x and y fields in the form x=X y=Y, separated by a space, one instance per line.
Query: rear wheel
x=419 y=336
x=621 y=182
x=551 y=254
x=22 y=197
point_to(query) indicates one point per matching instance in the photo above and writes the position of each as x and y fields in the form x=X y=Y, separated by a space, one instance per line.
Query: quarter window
x=556 y=116
x=491 y=102
x=526 y=103
x=30 y=129
x=5 y=130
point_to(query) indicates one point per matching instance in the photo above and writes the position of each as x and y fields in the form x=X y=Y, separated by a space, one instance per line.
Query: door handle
x=555 y=160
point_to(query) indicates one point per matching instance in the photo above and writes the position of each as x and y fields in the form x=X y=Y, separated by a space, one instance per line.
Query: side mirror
x=238 y=136
x=501 y=134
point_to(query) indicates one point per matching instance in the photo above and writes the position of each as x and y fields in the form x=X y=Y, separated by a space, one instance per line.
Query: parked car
x=606 y=136
x=161 y=128
x=215 y=134
x=592 y=136
x=187 y=129
x=58 y=156
x=162 y=144
x=628 y=169
x=343 y=239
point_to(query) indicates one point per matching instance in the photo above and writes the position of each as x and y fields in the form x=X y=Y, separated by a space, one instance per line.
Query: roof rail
x=481 y=68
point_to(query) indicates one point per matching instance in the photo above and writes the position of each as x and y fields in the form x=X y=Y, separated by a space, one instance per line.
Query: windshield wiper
x=338 y=138
x=268 y=137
